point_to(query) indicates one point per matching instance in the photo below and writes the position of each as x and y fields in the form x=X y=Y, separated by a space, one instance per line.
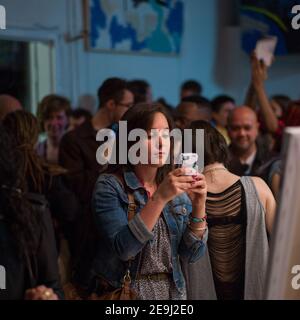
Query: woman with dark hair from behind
x=240 y=214
x=39 y=177
x=27 y=241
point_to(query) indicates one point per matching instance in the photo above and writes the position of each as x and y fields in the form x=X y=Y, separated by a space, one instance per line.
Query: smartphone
x=265 y=49
x=189 y=161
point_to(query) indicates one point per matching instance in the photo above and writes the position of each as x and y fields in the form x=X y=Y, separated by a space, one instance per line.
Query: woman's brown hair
x=215 y=146
x=52 y=103
x=141 y=116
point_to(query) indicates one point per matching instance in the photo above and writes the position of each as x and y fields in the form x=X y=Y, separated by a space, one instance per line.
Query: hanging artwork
x=264 y=18
x=134 y=26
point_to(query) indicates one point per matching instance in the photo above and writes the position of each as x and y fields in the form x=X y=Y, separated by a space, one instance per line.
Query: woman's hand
x=40 y=293
x=198 y=192
x=174 y=184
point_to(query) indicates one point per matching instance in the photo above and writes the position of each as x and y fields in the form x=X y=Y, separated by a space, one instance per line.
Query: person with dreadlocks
x=42 y=178
x=27 y=241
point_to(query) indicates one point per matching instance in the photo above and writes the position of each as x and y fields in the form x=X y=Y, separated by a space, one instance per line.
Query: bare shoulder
x=263 y=190
x=259 y=183
x=267 y=199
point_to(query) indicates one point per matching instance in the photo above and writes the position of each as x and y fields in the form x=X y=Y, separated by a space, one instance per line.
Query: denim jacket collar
x=132 y=181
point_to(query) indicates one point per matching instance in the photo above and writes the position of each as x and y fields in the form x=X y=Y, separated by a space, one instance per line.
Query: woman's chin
x=158 y=165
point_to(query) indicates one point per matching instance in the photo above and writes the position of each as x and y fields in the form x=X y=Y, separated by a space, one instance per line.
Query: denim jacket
x=120 y=240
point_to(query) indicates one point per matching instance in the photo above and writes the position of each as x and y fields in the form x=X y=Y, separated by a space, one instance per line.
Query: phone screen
x=189 y=161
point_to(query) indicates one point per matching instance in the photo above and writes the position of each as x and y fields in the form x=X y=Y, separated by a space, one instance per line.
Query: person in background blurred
x=274 y=178
x=279 y=104
x=40 y=177
x=221 y=107
x=141 y=90
x=246 y=154
x=240 y=216
x=171 y=110
x=78 y=147
x=87 y=102
x=78 y=117
x=53 y=111
x=8 y=104
x=190 y=88
x=77 y=154
x=292 y=118
x=191 y=109
x=27 y=241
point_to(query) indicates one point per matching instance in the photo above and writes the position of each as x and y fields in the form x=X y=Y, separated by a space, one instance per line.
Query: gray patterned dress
x=156 y=258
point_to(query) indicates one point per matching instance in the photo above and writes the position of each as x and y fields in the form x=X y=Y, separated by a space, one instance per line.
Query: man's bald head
x=242 y=113
x=243 y=128
x=8 y=104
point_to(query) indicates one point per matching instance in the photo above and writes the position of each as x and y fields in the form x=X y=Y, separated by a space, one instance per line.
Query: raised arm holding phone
x=261 y=60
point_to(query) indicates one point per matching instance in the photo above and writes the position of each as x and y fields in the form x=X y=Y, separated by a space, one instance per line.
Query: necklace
x=214 y=169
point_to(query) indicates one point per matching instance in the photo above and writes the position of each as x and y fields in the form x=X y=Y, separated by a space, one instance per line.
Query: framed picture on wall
x=264 y=18
x=134 y=26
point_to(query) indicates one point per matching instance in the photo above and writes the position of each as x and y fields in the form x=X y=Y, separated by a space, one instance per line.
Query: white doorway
x=42 y=72
x=29 y=64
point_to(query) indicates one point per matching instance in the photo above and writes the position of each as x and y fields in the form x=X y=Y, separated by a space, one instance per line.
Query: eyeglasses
x=125 y=105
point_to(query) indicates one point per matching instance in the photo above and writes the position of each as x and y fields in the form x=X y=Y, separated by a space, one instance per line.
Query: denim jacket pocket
x=181 y=212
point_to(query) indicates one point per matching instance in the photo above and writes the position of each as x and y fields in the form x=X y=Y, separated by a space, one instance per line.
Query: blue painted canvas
x=138 y=26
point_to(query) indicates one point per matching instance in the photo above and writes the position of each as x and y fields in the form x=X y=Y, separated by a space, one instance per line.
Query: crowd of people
x=71 y=228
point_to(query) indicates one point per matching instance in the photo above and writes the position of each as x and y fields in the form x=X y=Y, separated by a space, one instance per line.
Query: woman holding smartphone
x=169 y=219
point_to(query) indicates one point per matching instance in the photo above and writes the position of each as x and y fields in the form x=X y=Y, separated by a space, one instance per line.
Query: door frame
x=23 y=34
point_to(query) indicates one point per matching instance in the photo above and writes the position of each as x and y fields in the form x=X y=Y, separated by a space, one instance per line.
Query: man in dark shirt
x=78 y=155
x=78 y=147
x=247 y=156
